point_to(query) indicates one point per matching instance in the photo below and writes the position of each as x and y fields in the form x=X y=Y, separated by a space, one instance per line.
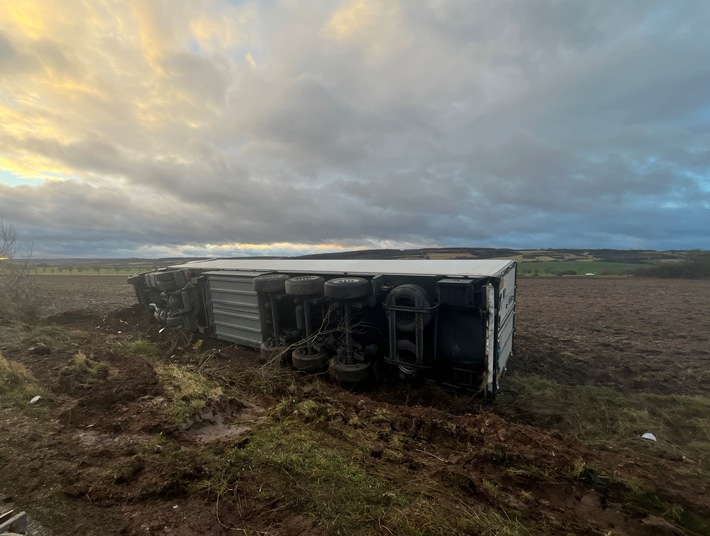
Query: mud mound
x=114 y=322
x=104 y=402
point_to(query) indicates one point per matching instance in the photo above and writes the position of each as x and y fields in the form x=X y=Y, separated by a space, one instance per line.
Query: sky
x=226 y=128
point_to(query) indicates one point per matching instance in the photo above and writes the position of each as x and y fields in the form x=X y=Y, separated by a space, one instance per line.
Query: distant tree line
x=696 y=265
x=422 y=253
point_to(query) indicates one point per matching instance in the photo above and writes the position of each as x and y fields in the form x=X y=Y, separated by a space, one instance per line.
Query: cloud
x=244 y=128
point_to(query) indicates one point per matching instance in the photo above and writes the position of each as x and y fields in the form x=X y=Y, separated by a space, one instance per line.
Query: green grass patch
x=578 y=267
x=605 y=416
x=142 y=347
x=80 y=364
x=324 y=477
x=188 y=390
x=302 y=462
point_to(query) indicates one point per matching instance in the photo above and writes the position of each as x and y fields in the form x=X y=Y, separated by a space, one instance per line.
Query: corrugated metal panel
x=235 y=306
x=449 y=268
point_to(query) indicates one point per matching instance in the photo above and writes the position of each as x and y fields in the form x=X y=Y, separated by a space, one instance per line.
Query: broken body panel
x=449 y=320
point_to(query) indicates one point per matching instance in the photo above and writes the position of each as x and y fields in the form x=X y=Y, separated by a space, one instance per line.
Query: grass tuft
x=80 y=364
x=17 y=385
x=188 y=390
x=142 y=347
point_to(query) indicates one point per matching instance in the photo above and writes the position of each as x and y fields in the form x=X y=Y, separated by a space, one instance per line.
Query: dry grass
x=188 y=390
x=80 y=364
x=17 y=385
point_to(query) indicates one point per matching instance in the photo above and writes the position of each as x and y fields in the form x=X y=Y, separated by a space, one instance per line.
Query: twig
x=430 y=454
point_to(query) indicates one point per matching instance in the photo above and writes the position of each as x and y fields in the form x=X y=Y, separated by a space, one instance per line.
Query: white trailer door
x=506 y=319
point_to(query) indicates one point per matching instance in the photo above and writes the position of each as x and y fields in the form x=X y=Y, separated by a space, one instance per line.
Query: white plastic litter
x=649 y=436
x=35 y=399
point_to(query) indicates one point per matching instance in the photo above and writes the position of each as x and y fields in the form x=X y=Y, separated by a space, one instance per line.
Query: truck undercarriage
x=449 y=321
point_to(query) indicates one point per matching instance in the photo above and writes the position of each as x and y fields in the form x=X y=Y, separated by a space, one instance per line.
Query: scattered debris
x=34 y=400
x=649 y=436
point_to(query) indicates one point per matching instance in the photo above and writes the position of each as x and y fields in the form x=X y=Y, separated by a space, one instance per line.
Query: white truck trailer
x=452 y=321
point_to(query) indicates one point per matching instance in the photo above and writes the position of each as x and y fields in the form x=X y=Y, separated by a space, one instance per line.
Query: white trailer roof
x=448 y=268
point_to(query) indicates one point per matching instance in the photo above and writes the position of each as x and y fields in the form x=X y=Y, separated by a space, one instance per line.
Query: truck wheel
x=308 y=362
x=344 y=373
x=305 y=285
x=347 y=288
x=407 y=296
x=270 y=283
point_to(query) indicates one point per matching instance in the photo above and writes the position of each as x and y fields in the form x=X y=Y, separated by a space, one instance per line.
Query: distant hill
x=524 y=255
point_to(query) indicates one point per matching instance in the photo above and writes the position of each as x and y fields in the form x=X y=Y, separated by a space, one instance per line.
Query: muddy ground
x=112 y=449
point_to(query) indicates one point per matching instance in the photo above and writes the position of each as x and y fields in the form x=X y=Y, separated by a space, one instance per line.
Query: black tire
x=407 y=296
x=406 y=357
x=347 y=288
x=305 y=285
x=270 y=283
x=308 y=362
x=359 y=372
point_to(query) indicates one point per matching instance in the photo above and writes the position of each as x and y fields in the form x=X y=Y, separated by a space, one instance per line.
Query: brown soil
x=636 y=334
x=91 y=459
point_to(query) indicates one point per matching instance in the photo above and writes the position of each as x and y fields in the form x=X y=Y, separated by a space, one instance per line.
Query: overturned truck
x=451 y=321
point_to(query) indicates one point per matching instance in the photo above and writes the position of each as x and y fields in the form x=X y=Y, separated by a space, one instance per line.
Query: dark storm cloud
x=362 y=124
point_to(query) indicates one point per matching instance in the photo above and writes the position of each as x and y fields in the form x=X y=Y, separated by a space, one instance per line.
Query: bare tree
x=8 y=241
x=17 y=297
